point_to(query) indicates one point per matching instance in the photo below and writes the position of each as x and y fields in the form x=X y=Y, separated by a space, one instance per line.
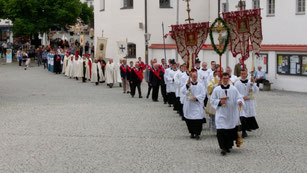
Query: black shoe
x=140 y=97
x=132 y=96
x=155 y=100
x=97 y=83
x=223 y=152
x=244 y=134
x=192 y=136
x=128 y=92
x=169 y=105
x=197 y=137
x=228 y=150
x=165 y=103
x=147 y=96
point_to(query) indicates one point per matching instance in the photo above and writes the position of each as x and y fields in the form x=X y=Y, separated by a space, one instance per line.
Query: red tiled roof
x=264 y=47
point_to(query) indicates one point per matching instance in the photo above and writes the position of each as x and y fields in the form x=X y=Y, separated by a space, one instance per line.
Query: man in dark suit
x=136 y=79
x=154 y=81
x=239 y=67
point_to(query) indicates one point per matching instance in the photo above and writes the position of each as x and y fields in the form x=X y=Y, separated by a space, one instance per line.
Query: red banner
x=245 y=28
x=190 y=38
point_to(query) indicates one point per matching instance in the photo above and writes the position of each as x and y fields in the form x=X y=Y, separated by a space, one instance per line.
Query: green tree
x=31 y=17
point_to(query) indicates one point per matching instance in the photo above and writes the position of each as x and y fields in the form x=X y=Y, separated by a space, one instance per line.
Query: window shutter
x=102 y=4
x=121 y=3
x=171 y=3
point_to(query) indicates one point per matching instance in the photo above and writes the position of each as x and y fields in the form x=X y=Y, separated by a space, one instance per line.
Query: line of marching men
x=225 y=100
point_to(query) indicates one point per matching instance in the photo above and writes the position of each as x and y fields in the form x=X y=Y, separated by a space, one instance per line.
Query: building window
x=292 y=65
x=131 y=50
x=300 y=6
x=262 y=60
x=271 y=7
x=224 y=7
x=126 y=4
x=256 y=4
x=165 y=4
x=102 y=5
x=243 y=5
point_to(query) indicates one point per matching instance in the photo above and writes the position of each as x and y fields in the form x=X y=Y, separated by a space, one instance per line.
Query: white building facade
x=284 y=48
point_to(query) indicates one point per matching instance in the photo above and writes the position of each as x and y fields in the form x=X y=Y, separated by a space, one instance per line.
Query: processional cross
x=189 y=19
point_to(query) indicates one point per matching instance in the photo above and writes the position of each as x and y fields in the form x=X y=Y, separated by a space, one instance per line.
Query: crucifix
x=189 y=10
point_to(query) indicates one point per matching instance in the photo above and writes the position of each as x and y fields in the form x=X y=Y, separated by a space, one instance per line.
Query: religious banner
x=101 y=47
x=245 y=28
x=190 y=38
x=9 y=57
x=122 y=47
x=82 y=40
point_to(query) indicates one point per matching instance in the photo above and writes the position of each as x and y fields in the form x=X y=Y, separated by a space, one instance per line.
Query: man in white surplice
x=247 y=116
x=193 y=106
x=226 y=99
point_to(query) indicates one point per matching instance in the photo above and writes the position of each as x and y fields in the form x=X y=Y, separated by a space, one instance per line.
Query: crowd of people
x=199 y=95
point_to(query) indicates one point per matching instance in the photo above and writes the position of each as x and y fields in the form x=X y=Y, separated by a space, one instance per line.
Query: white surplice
x=226 y=117
x=249 y=109
x=194 y=110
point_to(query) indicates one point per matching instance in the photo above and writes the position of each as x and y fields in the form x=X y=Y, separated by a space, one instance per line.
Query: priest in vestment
x=110 y=73
x=96 y=76
x=193 y=106
x=88 y=67
x=69 y=70
x=65 y=62
x=78 y=68
x=247 y=116
x=227 y=100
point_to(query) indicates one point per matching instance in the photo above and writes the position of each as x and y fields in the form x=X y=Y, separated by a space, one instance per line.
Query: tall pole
x=146 y=32
x=177 y=23
x=227 y=50
x=164 y=42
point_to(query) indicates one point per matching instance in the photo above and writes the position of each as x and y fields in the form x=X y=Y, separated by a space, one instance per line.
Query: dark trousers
x=20 y=61
x=181 y=110
x=258 y=81
x=226 y=137
x=176 y=103
x=130 y=84
x=155 y=93
x=171 y=97
x=163 y=92
x=134 y=86
x=149 y=89
x=194 y=126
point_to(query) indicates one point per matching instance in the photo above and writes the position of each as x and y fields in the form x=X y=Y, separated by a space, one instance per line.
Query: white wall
x=121 y=24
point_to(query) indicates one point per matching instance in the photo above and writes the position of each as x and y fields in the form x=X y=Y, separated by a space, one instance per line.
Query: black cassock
x=57 y=64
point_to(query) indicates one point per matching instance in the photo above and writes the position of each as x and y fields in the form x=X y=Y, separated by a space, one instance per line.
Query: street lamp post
x=146 y=35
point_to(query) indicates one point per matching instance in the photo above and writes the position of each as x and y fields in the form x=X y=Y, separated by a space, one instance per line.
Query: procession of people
x=198 y=95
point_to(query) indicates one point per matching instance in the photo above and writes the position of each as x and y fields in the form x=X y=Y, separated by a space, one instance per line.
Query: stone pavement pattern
x=49 y=123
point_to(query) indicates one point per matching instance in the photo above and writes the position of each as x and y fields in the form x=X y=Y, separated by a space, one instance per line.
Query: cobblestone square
x=49 y=123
